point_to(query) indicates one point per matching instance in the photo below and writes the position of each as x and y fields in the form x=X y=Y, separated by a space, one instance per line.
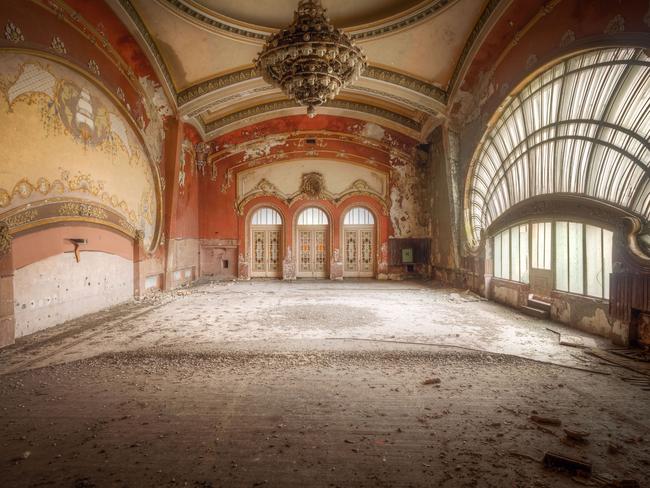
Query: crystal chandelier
x=310 y=60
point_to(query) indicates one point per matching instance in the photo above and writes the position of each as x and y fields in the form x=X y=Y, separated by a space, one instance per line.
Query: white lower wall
x=56 y=289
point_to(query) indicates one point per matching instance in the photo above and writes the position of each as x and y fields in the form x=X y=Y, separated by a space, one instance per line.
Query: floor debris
x=562 y=463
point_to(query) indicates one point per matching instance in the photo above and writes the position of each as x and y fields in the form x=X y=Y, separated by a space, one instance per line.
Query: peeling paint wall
x=409 y=211
x=584 y=313
x=509 y=293
x=53 y=290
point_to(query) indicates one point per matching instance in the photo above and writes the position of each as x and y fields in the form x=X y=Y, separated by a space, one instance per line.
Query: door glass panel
x=542 y=245
x=274 y=249
x=319 y=254
x=366 y=251
x=259 y=246
x=305 y=251
x=351 y=257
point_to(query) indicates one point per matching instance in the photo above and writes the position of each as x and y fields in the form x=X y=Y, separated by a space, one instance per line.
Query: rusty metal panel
x=627 y=292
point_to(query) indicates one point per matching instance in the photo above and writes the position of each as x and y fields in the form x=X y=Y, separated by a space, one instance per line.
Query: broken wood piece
x=431 y=381
x=562 y=463
x=545 y=420
x=523 y=456
x=622 y=484
x=576 y=435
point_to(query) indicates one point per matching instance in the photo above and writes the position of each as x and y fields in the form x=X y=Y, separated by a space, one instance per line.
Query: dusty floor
x=312 y=384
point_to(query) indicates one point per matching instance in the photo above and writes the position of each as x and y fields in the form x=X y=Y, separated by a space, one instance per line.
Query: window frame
x=606 y=268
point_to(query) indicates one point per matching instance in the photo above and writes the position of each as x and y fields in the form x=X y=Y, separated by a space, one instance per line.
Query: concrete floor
x=312 y=384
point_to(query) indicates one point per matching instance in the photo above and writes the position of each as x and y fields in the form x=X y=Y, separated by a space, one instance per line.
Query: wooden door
x=358 y=251
x=312 y=254
x=266 y=245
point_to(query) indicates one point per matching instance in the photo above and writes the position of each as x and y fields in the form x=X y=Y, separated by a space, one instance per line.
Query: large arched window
x=581 y=127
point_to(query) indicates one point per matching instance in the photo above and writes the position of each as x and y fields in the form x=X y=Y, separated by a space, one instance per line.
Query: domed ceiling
x=204 y=50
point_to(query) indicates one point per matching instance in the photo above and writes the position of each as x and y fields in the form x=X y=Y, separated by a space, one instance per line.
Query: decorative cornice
x=357 y=33
x=381 y=74
x=405 y=81
x=396 y=98
x=287 y=104
x=65 y=210
x=489 y=9
x=5 y=239
x=213 y=84
x=214 y=22
x=401 y=23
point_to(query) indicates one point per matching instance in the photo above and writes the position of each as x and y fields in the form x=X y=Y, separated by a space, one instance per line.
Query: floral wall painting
x=64 y=137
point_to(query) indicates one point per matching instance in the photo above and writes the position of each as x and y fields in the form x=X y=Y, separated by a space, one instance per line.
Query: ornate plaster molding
x=373 y=72
x=312 y=188
x=203 y=88
x=57 y=210
x=259 y=34
x=5 y=239
x=212 y=127
x=206 y=87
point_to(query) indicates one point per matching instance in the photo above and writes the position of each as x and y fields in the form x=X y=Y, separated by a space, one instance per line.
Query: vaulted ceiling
x=204 y=51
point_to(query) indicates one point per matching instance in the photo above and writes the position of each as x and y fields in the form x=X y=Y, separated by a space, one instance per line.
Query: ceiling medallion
x=310 y=60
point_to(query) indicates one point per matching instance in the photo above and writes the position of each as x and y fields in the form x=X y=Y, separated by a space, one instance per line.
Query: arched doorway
x=266 y=243
x=358 y=243
x=312 y=237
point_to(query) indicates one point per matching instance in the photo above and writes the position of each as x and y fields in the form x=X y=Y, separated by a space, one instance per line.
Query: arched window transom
x=267 y=216
x=313 y=216
x=359 y=216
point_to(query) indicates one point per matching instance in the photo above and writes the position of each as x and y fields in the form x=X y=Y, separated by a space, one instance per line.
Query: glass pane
x=534 y=250
x=561 y=256
x=575 y=258
x=359 y=216
x=514 y=251
x=594 y=253
x=505 y=254
x=266 y=216
x=313 y=216
x=497 y=256
x=523 y=252
x=607 y=260
x=547 y=245
x=540 y=246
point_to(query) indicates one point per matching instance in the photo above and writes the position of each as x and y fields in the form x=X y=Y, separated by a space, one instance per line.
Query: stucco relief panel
x=287 y=177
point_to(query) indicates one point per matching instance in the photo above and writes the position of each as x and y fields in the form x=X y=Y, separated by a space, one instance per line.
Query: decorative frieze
x=5 y=239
